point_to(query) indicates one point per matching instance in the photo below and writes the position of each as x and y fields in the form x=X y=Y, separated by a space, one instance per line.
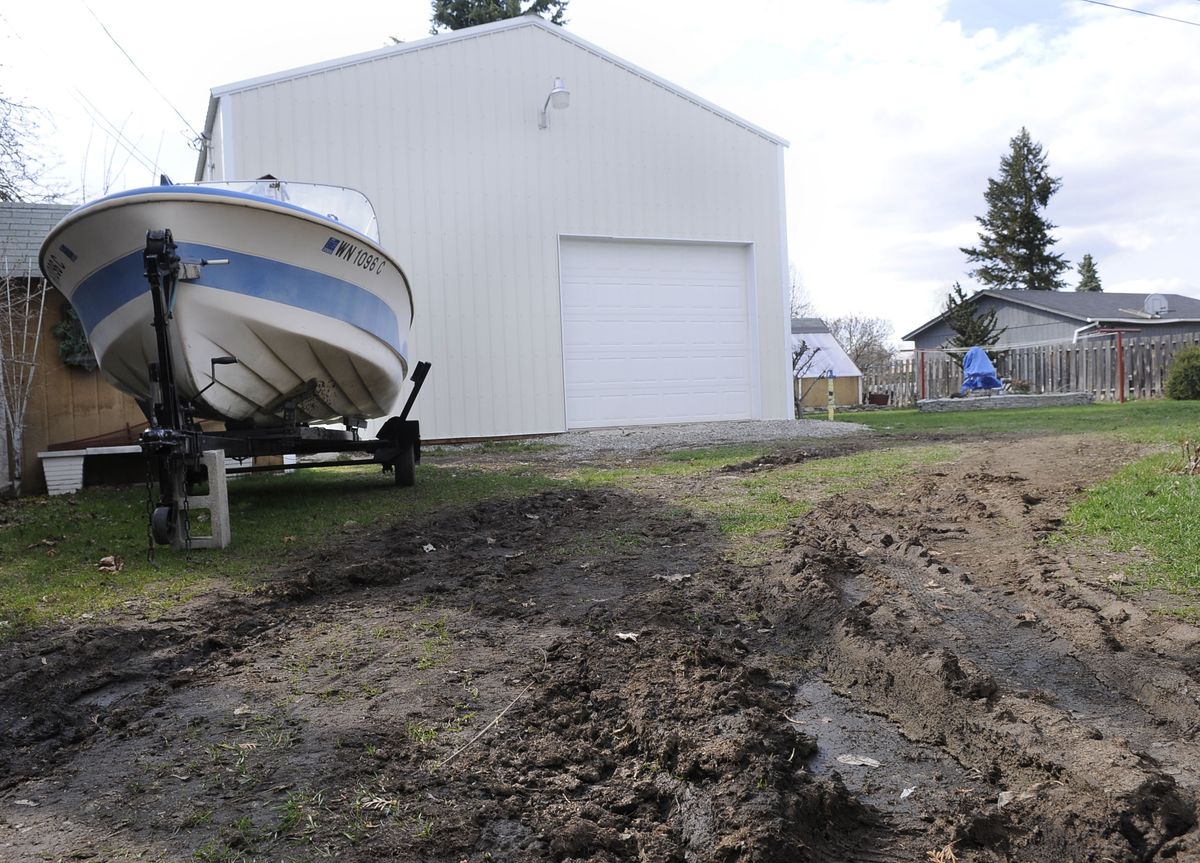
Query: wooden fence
x=1087 y=366
x=69 y=404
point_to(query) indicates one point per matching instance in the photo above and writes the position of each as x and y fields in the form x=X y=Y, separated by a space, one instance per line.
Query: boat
x=284 y=310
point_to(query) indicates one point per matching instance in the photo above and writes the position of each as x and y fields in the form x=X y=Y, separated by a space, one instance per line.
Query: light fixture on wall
x=560 y=97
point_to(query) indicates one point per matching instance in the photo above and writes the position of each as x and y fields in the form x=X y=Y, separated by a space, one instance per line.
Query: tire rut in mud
x=669 y=742
x=1088 y=743
x=59 y=688
x=638 y=695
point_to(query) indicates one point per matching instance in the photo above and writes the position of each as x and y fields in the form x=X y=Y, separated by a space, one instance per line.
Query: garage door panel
x=649 y=300
x=654 y=332
x=598 y=409
x=651 y=349
x=704 y=337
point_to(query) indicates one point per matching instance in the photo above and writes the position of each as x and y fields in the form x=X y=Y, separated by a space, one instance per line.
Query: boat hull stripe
x=123 y=280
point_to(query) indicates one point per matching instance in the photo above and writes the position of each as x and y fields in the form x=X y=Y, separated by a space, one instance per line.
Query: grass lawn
x=749 y=504
x=1149 y=507
x=50 y=546
x=1158 y=421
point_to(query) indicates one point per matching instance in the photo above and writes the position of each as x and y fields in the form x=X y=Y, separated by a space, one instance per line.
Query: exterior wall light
x=560 y=97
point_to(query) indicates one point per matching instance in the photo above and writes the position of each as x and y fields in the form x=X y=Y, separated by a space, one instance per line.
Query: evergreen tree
x=971 y=329
x=1014 y=240
x=457 y=14
x=1089 y=279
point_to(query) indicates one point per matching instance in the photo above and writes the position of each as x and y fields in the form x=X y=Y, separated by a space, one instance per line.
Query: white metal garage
x=655 y=332
x=533 y=323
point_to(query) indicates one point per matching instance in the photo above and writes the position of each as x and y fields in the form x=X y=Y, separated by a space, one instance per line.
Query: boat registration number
x=358 y=256
x=54 y=267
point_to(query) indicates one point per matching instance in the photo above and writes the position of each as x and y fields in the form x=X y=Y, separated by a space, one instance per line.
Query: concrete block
x=216 y=502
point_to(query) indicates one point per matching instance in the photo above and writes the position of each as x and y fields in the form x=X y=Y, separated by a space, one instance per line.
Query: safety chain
x=150 y=512
x=186 y=515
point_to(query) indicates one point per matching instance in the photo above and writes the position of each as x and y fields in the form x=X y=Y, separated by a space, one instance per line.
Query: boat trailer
x=180 y=454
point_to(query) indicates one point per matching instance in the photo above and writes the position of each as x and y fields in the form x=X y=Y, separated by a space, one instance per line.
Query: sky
x=897 y=112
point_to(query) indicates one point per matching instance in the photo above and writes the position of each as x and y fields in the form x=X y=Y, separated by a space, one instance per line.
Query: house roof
x=465 y=34
x=808 y=325
x=821 y=351
x=22 y=228
x=1089 y=307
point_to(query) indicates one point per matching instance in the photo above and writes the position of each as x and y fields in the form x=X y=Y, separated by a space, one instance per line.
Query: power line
x=140 y=72
x=99 y=119
x=1143 y=12
x=112 y=130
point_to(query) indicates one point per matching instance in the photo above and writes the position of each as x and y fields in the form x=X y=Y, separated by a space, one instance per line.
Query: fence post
x=1120 y=367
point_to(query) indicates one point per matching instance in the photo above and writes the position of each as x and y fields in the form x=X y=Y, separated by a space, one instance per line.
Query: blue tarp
x=978 y=372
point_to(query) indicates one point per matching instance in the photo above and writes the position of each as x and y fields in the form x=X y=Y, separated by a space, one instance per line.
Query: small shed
x=816 y=357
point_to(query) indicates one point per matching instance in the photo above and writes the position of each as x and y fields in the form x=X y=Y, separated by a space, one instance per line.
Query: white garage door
x=655 y=332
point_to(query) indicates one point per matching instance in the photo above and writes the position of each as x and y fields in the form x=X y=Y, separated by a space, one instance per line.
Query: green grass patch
x=50 y=546
x=434 y=645
x=1147 y=507
x=756 y=510
x=677 y=463
x=768 y=500
x=1146 y=421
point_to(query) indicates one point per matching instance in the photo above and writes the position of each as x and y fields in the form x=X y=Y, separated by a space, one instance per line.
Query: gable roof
x=808 y=325
x=822 y=352
x=466 y=34
x=1087 y=307
x=23 y=226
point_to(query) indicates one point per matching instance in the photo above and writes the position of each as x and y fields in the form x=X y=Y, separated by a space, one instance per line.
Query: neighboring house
x=66 y=404
x=621 y=260
x=1050 y=317
x=815 y=354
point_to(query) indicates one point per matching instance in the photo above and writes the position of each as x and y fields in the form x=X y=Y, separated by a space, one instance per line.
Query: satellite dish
x=1156 y=304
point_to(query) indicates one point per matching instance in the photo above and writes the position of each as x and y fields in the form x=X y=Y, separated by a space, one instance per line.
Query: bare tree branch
x=801 y=305
x=21 y=172
x=22 y=308
x=867 y=341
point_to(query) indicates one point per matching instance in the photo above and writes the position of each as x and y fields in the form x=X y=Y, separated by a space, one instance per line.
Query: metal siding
x=1025 y=326
x=472 y=198
x=784 y=286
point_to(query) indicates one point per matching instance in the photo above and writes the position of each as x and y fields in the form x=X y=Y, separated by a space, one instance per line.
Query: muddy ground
x=912 y=673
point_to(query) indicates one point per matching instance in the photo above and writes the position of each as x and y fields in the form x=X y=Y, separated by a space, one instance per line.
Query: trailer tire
x=160 y=525
x=406 y=464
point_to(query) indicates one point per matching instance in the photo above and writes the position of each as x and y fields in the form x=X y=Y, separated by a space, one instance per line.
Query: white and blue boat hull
x=316 y=314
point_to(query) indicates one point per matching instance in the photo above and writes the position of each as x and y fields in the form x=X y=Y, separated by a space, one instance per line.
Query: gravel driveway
x=688 y=435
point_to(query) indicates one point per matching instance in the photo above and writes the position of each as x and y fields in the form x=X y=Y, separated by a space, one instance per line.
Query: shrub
x=1183 y=378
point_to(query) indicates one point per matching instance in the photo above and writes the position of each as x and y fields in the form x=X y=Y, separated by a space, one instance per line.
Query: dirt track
x=592 y=675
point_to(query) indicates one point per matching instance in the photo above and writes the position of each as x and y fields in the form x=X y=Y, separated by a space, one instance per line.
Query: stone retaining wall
x=1009 y=400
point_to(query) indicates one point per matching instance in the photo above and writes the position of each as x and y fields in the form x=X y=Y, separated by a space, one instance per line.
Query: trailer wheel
x=406 y=467
x=160 y=524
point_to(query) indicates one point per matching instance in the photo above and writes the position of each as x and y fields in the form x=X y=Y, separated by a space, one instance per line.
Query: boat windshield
x=348 y=206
